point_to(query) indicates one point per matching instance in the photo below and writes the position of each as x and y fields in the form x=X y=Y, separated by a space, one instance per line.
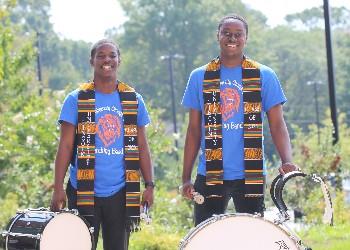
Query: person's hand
x=58 y=200
x=147 y=196
x=187 y=190
x=288 y=167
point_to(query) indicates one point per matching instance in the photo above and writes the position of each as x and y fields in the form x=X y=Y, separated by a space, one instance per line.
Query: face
x=105 y=61
x=232 y=38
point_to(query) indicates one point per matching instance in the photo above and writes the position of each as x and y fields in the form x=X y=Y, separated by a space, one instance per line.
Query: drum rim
x=217 y=217
x=15 y=218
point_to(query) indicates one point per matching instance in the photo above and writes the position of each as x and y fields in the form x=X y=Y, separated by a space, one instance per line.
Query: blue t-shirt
x=231 y=98
x=109 y=139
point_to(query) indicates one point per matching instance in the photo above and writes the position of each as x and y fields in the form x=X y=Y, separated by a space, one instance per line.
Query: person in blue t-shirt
x=232 y=36
x=109 y=169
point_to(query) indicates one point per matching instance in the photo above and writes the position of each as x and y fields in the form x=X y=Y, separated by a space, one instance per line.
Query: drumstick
x=196 y=197
x=144 y=214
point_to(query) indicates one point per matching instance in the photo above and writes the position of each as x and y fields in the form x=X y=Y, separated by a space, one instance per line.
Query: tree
x=62 y=61
x=166 y=27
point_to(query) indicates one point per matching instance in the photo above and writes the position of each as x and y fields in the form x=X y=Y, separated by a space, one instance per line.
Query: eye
x=238 y=35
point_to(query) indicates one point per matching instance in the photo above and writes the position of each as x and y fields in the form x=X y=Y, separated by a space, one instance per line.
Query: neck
x=231 y=61
x=107 y=87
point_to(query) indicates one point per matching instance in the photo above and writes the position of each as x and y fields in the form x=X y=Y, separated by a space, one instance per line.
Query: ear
x=91 y=62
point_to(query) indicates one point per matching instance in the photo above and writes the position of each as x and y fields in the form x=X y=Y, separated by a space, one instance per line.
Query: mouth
x=231 y=45
x=106 y=67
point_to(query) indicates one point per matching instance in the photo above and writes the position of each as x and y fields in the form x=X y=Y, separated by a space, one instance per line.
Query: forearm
x=146 y=166
x=145 y=156
x=192 y=144
x=280 y=137
x=64 y=153
x=62 y=162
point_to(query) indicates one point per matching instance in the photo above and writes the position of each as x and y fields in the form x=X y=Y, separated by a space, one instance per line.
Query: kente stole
x=85 y=133
x=253 y=129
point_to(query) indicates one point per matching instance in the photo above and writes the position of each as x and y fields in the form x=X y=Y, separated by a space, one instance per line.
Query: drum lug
x=4 y=234
x=256 y=214
x=91 y=230
x=75 y=211
x=282 y=217
x=216 y=217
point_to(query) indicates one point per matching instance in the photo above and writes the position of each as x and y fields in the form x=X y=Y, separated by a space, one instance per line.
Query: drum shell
x=23 y=224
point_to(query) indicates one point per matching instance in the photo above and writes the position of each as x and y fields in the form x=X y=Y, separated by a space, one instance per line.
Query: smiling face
x=105 y=60
x=232 y=37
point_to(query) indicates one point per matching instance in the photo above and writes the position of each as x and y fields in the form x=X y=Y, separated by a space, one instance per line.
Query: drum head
x=66 y=231
x=238 y=231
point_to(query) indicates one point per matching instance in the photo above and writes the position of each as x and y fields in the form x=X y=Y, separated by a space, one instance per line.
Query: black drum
x=35 y=229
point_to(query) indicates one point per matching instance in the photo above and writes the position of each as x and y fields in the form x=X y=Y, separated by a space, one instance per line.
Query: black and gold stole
x=86 y=131
x=253 y=156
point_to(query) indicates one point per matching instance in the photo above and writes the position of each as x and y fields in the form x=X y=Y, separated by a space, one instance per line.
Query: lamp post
x=330 y=68
x=170 y=59
x=38 y=63
x=315 y=83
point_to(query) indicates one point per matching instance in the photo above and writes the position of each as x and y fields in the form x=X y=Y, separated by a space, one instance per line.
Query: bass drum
x=238 y=231
x=41 y=229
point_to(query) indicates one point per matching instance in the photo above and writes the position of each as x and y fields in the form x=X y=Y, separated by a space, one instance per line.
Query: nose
x=232 y=38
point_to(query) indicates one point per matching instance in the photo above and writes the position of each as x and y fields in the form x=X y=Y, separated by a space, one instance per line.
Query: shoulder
x=139 y=96
x=126 y=87
x=267 y=73
x=73 y=95
x=197 y=75
x=199 y=71
x=266 y=69
x=86 y=86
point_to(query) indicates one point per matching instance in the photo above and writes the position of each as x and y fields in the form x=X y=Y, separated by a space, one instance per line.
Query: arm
x=280 y=137
x=145 y=164
x=63 y=158
x=192 y=144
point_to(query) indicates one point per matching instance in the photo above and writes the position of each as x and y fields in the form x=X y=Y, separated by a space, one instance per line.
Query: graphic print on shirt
x=230 y=98
x=230 y=101
x=108 y=129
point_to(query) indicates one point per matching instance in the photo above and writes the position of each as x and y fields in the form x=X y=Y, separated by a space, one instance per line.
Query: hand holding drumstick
x=187 y=191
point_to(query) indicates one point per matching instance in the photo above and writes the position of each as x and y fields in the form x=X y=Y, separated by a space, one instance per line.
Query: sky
x=87 y=20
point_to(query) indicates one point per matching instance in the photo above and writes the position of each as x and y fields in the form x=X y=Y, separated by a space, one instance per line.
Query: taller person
x=227 y=99
x=103 y=140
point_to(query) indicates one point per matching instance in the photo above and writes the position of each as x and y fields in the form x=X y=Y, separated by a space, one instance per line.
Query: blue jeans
x=232 y=189
x=110 y=214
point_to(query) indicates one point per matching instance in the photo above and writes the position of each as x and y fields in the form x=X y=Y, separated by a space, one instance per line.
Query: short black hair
x=101 y=42
x=234 y=16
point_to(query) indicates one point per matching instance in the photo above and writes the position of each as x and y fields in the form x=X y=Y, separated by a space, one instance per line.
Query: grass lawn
x=323 y=237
